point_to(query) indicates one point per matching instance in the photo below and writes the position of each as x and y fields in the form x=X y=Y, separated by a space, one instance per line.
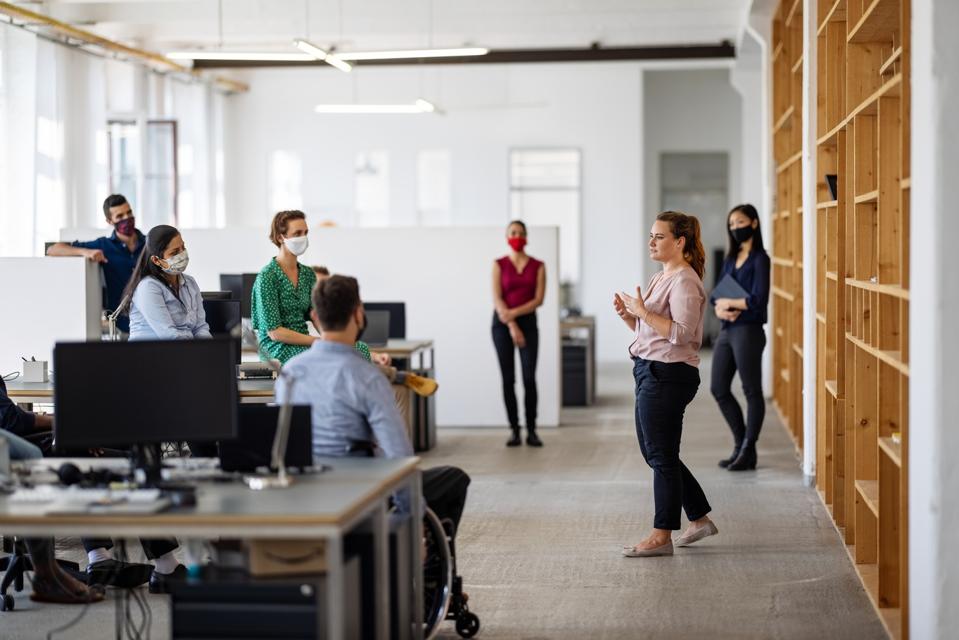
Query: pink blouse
x=679 y=296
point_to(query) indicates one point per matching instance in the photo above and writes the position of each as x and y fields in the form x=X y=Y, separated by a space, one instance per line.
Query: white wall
x=933 y=309
x=692 y=110
x=443 y=275
x=489 y=109
x=49 y=300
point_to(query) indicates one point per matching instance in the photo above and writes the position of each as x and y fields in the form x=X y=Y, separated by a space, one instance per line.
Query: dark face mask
x=126 y=226
x=742 y=234
x=359 y=333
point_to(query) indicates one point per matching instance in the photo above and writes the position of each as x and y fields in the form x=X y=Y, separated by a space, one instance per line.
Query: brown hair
x=321 y=270
x=281 y=221
x=683 y=225
x=334 y=300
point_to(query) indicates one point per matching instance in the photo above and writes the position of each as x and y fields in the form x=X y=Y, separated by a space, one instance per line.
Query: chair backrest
x=397 y=316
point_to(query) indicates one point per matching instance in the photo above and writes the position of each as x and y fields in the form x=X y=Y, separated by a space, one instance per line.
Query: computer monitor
x=241 y=286
x=223 y=316
x=377 y=332
x=253 y=446
x=397 y=316
x=140 y=394
x=217 y=295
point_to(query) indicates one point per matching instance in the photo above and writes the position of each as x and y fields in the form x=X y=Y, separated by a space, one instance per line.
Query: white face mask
x=177 y=263
x=297 y=246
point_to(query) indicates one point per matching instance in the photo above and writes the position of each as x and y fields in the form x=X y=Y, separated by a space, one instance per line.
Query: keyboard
x=75 y=500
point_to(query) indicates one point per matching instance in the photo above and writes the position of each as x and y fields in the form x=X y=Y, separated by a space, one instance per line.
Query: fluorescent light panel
x=240 y=55
x=412 y=53
x=420 y=106
x=321 y=54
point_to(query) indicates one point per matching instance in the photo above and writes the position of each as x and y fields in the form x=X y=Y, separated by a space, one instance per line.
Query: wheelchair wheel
x=468 y=625
x=437 y=575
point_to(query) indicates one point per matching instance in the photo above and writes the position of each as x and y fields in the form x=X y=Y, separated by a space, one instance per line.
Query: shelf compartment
x=892 y=450
x=832 y=388
x=893 y=59
x=836 y=13
x=868 y=491
x=784 y=119
x=879 y=23
x=872 y=196
x=829 y=204
x=888 y=289
x=892 y=358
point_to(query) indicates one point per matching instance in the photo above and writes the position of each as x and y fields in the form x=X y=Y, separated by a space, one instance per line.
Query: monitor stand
x=146 y=460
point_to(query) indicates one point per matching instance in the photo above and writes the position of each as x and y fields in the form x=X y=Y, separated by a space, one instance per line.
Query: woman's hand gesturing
x=633 y=306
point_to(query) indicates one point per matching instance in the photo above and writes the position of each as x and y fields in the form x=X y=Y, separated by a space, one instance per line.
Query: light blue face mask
x=177 y=264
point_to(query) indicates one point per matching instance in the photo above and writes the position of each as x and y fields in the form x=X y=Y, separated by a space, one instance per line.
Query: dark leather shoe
x=514 y=440
x=160 y=583
x=746 y=459
x=115 y=573
x=725 y=462
x=533 y=440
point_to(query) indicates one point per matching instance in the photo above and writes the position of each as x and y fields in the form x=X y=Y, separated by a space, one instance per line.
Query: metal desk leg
x=335 y=587
x=381 y=571
x=416 y=553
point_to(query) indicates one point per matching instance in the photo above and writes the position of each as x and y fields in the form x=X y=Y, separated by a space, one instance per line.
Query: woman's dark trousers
x=740 y=348
x=527 y=357
x=663 y=390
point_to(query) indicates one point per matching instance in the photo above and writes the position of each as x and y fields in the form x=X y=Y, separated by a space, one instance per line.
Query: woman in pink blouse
x=668 y=323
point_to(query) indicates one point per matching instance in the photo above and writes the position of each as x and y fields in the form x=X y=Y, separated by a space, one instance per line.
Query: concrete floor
x=540 y=543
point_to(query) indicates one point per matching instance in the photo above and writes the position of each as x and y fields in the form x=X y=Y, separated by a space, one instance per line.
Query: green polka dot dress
x=277 y=303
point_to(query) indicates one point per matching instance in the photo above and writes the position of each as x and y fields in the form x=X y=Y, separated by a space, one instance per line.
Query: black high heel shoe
x=514 y=440
x=746 y=460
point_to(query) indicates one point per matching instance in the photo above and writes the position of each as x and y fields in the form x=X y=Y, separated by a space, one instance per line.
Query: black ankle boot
x=725 y=462
x=746 y=459
x=532 y=439
x=514 y=440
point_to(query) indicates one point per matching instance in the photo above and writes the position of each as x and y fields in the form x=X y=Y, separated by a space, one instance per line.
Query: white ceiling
x=383 y=24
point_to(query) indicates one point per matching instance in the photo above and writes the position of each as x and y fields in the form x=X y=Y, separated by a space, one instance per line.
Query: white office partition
x=443 y=275
x=46 y=300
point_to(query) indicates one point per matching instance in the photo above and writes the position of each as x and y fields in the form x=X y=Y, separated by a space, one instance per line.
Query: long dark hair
x=683 y=225
x=750 y=212
x=157 y=241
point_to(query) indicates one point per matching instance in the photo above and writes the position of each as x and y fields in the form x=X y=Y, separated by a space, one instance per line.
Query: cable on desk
x=13 y=375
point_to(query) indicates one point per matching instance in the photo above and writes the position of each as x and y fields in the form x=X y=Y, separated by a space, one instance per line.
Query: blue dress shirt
x=118 y=268
x=753 y=276
x=156 y=313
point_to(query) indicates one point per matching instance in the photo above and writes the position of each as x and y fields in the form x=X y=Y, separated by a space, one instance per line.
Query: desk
x=421 y=412
x=327 y=506
x=27 y=393
x=578 y=335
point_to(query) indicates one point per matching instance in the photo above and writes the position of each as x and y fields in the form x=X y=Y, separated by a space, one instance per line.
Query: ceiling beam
x=515 y=56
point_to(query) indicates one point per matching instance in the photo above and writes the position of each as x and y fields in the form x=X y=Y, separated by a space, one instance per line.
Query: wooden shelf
x=779 y=332
x=784 y=374
x=891 y=89
x=837 y=12
x=879 y=23
x=832 y=388
x=829 y=204
x=820 y=318
x=783 y=294
x=829 y=140
x=832 y=275
x=892 y=358
x=798 y=351
x=782 y=262
x=777 y=51
x=892 y=449
x=783 y=119
x=796 y=7
x=872 y=196
x=789 y=162
x=797 y=66
x=905 y=184
x=893 y=59
x=887 y=289
x=868 y=490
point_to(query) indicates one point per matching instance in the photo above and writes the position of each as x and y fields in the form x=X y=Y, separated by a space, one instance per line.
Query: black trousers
x=153 y=548
x=444 y=491
x=740 y=348
x=662 y=392
x=527 y=357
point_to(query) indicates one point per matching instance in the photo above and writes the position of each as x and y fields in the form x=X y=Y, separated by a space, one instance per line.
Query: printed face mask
x=742 y=234
x=177 y=263
x=517 y=243
x=297 y=246
x=126 y=226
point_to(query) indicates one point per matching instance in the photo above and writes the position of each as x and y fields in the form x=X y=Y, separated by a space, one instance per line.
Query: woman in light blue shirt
x=165 y=303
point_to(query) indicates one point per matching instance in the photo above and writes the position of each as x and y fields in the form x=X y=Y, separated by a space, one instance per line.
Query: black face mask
x=742 y=234
x=359 y=334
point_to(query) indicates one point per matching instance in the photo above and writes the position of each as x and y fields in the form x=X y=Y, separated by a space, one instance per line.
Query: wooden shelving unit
x=787 y=256
x=863 y=289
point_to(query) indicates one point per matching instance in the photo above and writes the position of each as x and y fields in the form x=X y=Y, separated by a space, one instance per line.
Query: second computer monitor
x=122 y=394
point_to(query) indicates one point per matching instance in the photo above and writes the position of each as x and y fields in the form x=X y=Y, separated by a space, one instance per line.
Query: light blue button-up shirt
x=351 y=399
x=157 y=314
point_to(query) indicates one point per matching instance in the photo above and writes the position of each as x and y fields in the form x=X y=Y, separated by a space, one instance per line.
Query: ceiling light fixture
x=254 y=56
x=420 y=106
x=321 y=54
x=413 y=53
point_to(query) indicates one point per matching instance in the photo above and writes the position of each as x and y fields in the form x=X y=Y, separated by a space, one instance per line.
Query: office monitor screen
x=117 y=394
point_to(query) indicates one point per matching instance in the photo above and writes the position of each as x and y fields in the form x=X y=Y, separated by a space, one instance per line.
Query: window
x=371 y=182
x=545 y=190
x=286 y=181
x=155 y=191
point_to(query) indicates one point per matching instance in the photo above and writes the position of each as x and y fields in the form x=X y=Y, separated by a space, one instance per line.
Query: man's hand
x=94 y=255
x=381 y=359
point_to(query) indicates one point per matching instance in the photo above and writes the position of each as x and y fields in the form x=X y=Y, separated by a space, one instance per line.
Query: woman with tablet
x=742 y=337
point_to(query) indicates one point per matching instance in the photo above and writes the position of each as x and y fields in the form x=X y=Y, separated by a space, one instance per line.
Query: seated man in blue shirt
x=352 y=401
x=117 y=253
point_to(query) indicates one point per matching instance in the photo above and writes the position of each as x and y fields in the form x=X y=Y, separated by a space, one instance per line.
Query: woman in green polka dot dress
x=281 y=293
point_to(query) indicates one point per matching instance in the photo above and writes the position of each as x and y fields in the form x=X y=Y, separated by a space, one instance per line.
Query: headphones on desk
x=70 y=474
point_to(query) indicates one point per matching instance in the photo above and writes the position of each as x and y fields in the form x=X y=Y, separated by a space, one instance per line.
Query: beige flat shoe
x=702 y=532
x=665 y=549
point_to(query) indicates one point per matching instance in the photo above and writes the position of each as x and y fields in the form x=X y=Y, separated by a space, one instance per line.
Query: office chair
x=17 y=564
